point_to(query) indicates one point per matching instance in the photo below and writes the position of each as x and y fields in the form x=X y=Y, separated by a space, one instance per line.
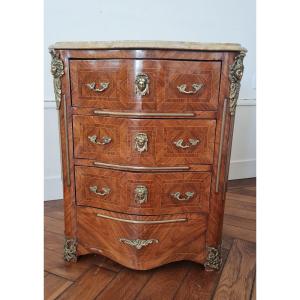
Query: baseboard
x=53 y=188
x=240 y=169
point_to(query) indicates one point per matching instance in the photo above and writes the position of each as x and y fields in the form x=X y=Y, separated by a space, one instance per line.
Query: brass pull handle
x=188 y=196
x=141 y=114
x=142 y=84
x=196 y=88
x=103 y=86
x=180 y=143
x=141 y=142
x=142 y=221
x=140 y=194
x=137 y=243
x=105 y=190
x=105 y=140
x=140 y=168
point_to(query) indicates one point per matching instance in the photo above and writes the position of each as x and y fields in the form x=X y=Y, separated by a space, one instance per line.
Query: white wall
x=190 y=20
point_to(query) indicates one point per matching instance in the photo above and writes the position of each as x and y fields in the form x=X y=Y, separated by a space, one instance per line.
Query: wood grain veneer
x=161 y=135
x=160 y=186
x=106 y=161
x=102 y=236
x=164 y=78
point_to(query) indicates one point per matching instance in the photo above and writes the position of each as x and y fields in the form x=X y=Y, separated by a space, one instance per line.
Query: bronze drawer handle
x=103 y=86
x=105 y=190
x=180 y=143
x=137 y=243
x=196 y=87
x=105 y=140
x=177 y=196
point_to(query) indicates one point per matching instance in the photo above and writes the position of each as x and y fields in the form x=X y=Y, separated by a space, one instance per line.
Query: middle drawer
x=143 y=193
x=143 y=141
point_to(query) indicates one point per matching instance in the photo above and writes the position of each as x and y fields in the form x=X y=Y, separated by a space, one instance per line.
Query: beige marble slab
x=149 y=45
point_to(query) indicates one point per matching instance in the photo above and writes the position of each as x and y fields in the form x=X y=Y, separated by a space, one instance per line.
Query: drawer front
x=142 y=242
x=143 y=193
x=145 y=85
x=144 y=142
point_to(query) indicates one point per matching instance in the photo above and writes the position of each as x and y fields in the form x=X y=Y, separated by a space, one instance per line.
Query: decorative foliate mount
x=235 y=76
x=57 y=71
x=214 y=259
x=137 y=243
x=70 y=250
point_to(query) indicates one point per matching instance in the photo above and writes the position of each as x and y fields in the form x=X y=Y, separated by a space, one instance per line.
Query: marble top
x=149 y=45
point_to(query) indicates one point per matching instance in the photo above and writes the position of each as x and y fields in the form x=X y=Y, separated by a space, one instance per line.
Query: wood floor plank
x=244 y=191
x=54 y=241
x=54 y=225
x=240 y=183
x=253 y=293
x=233 y=196
x=51 y=204
x=54 y=263
x=104 y=262
x=241 y=205
x=240 y=213
x=126 y=285
x=226 y=241
x=240 y=222
x=199 y=284
x=239 y=233
x=54 y=286
x=238 y=273
x=89 y=285
x=164 y=282
x=55 y=214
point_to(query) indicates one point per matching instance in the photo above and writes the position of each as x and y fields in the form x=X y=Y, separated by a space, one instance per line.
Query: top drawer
x=145 y=85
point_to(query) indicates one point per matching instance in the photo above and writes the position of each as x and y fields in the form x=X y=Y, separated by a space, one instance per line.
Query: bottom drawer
x=141 y=242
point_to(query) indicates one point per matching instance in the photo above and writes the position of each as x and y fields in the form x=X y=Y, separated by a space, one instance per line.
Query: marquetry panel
x=175 y=241
x=196 y=183
x=168 y=141
x=160 y=189
x=85 y=127
x=164 y=79
x=204 y=73
x=85 y=181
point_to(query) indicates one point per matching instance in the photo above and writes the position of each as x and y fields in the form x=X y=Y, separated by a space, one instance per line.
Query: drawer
x=145 y=85
x=144 y=142
x=142 y=242
x=143 y=193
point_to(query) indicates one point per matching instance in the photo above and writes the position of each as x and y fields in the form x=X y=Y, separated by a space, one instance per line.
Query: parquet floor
x=95 y=277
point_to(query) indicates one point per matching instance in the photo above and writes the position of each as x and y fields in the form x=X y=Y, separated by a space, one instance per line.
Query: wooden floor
x=96 y=277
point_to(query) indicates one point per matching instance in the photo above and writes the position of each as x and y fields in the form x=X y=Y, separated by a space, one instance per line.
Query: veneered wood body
x=206 y=161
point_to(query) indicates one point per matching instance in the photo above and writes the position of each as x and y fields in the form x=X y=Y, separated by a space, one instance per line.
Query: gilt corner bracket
x=214 y=259
x=57 y=71
x=70 y=249
x=235 y=76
